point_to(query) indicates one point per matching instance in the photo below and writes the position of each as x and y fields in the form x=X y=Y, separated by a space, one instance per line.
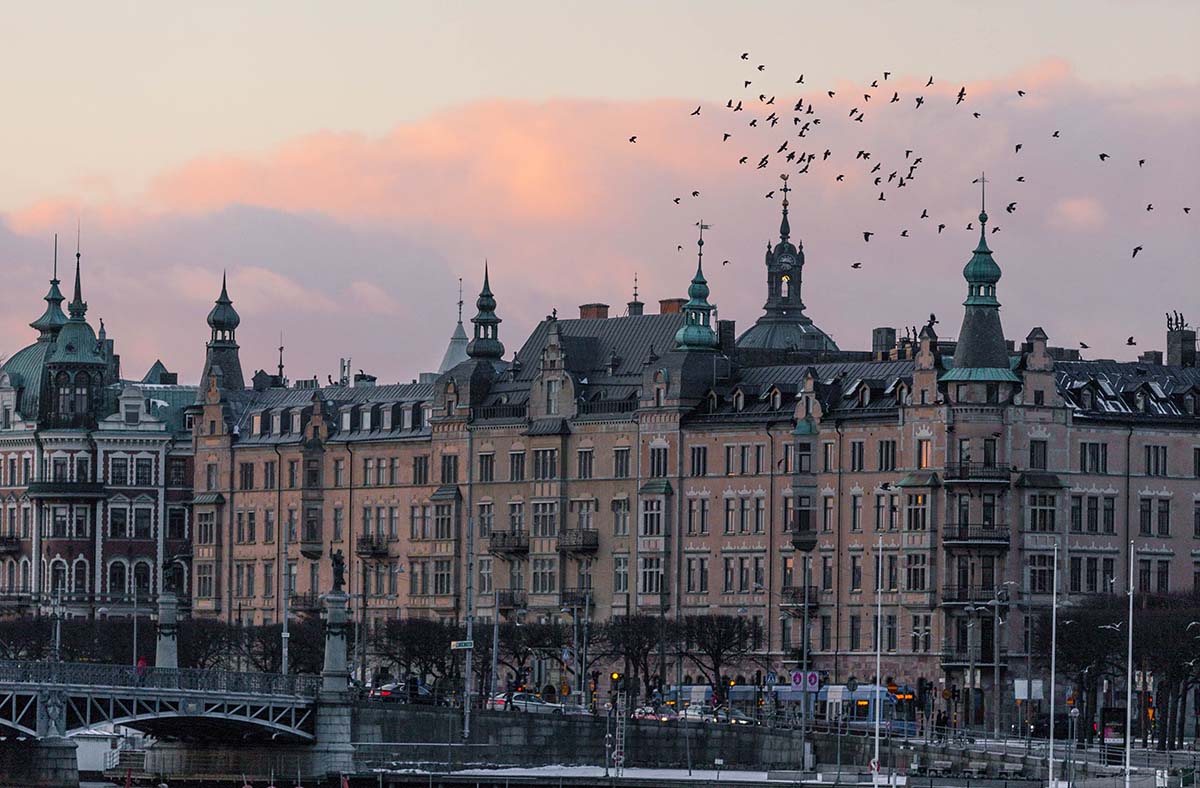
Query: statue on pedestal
x=339 y=570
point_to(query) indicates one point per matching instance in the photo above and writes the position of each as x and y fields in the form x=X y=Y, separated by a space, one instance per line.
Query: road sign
x=797 y=678
x=874 y=764
x=772 y=679
x=462 y=645
x=812 y=681
x=946 y=693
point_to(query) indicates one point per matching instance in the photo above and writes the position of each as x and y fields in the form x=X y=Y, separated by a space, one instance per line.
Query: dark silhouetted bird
x=875 y=83
x=676 y=200
x=876 y=167
x=1130 y=341
x=738 y=108
x=1103 y=157
x=831 y=94
x=1150 y=206
x=747 y=83
x=904 y=233
x=995 y=229
x=860 y=117
x=970 y=225
x=801 y=80
x=878 y=180
x=826 y=154
x=920 y=101
x=725 y=136
x=724 y=262
x=754 y=123
x=1021 y=93
x=1187 y=209
x=895 y=98
x=908 y=153
x=924 y=213
x=762 y=163
x=1020 y=179
x=867 y=236
x=695 y=194
x=633 y=138
x=940 y=228
x=866 y=97
x=1083 y=345
x=761 y=67
x=697 y=111
x=1011 y=207
x=743 y=160
x=976 y=114
x=887 y=74
x=962 y=94
x=679 y=248
x=745 y=56
x=1017 y=147
x=771 y=195
x=930 y=82
x=1055 y=134
x=856 y=265
x=1141 y=162
x=840 y=178
x=1136 y=249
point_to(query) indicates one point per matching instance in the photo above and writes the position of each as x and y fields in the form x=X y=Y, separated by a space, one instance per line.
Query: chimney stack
x=726 y=336
x=1181 y=342
x=883 y=342
x=593 y=311
x=671 y=306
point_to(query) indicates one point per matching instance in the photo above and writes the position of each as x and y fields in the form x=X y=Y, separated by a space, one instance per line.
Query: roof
x=1129 y=390
x=456 y=351
x=26 y=369
x=246 y=403
x=772 y=333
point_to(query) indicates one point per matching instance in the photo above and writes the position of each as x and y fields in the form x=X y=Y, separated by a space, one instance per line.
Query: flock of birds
x=806 y=116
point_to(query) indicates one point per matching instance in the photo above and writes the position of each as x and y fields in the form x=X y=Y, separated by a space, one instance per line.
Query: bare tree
x=716 y=642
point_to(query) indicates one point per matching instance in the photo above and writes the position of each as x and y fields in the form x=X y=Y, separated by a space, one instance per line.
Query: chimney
x=1151 y=357
x=726 y=336
x=635 y=308
x=671 y=306
x=883 y=340
x=1181 y=342
x=593 y=311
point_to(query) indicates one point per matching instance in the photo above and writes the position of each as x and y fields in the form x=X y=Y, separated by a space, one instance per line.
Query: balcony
x=307 y=602
x=509 y=543
x=507 y=411
x=977 y=472
x=804 y=539
x=956 y=655
x=577 y=599
x=311 y=547
x=371 y=546
x=607 y=406
x=968 y=595
x=67 y=489
x=980 y=535
x=579 y=541
x=797 y=597
x=511 y=599
x=9 y=544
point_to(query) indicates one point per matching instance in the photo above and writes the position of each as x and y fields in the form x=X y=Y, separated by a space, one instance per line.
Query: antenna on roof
x=281 y=382
x=55 y=256
x=460 y=299
x=635 y=286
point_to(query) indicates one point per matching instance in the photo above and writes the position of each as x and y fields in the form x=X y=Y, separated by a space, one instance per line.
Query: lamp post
x=1129 y=673
x=1054 y=666
x=878 y=656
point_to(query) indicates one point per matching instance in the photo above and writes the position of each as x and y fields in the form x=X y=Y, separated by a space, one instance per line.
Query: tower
x=76 y=366
x=981 y=353
x=53 y=319
x=221 y=357
x=697 y=332
x=456 y=350
x=486 y=344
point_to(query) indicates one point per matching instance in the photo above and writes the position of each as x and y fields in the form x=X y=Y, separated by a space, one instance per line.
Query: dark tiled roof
x=1123 y=390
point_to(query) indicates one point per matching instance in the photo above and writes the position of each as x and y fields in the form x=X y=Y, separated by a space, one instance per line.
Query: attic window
x=739 y=401
x=1140 y=399
x=1189 y=405
x=776 y=400
x=1086 y=399
x=864 y=396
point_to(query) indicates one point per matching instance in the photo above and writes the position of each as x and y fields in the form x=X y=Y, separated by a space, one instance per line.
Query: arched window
x=141 y=579
x=116 y=578
x=785 y=286
x=10 y=577
x=83 y=383
x=24 y=576
x=62 y=385
x=79 y=577
x=58 y=577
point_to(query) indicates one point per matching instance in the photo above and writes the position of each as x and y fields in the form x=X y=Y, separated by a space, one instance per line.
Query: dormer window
x=785 y=286
x=1140 y=399
x=739 y=401
x=132 y=414
x=1086 y=400
x=296 y=422
x=552 y=389
x=345 y=421
x=776 y=400
x=1189 y=405
x=864 y=396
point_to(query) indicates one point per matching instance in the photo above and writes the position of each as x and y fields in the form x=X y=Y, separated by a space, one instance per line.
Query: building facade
x=660 y=464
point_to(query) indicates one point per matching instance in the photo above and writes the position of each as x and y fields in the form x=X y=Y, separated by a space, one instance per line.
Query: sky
x=347 y=163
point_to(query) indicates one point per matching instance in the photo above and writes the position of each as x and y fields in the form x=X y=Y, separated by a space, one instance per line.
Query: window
x=803 y=458
x=545 y=464
x=176 y=524
x=924 y=453
x=652 y=523
x=1144 y=576
x=245 y=475
x=420 y=473
x=729 y=575
x=881 y=507
x=1164 y=516
x=917 y=512
x=449 y=469
x=1145 y=517
x=922 y=633
x=658 y=461
x=856 y=505
x=856 y=573
x=651 y=575
x=545 y=518
x=826 y=573
x=1156 y=460
x=1037 y=455
x=268 y=476
x=1093 y=514
x=887 y=455
x=1076 y=575
x=205 y=527
x=890 y=633
x=443 y=521
x=516 y=516
x=339 y=472
x=697 y=516
x=368 y=472
x=1163 y=577
x=620 y=574
x=293 y=474
x=1041 y=574
x=485 y=576
x=1041 y=512
x=486 y=518
x=915 y=570
x=760 y=515
x=621 y=463
x=210 y=476
x=119 y=523
x=697 y=575
x=827 y=513
x=620 y=509
x=858 y=450
x=119 y=471
x=827 y=457
x=1091 y=577
x=268 y=578
x=204 y=579
x=699 y=461
x=583 y=462
x=443 y=576
x=1196 y=462
x=826 y=636
x=855 y=632
x=584 y=512
x=989 y=452
x=516 y=466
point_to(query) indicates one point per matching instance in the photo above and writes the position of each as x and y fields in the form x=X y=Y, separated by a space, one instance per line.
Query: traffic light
x=617 y=681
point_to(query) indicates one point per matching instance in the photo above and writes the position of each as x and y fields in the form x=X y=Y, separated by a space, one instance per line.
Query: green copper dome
x=223 y=316
x=981 y=271
x=697 y=333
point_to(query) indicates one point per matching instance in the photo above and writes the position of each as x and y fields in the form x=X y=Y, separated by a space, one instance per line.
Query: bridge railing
x=92 y=674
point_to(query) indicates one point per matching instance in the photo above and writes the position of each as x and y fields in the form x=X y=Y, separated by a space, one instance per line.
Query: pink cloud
x=337 y=237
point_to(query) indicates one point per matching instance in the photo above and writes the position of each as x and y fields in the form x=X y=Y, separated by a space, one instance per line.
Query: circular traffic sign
x=946 y=693
x=812 y=681
x=797 y=678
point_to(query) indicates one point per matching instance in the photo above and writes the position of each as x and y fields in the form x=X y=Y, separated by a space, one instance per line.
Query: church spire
x=486 y=343
x=456 y=349
x=78 y=307
x=697 y=332
x=785 y=229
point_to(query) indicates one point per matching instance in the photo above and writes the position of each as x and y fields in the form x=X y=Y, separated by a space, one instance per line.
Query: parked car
x=398 y=692
x=734 y=717
x=697 y=714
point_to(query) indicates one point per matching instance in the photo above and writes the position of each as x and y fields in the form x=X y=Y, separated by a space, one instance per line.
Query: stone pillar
x=333 y=752
x=167 y=653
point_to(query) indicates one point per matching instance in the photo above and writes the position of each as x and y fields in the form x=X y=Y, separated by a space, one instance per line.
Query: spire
x=78 y=307
x=486 y=343
x=223 y=319
x=222 y=356
x=456 y=349
x=635 y=308
x=281 y=357
x=52 y=318
x=697 y=333
x=981 y=352
x=785 y=229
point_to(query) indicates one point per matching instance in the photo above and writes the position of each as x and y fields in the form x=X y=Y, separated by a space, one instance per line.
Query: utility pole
x=495 y=641
x=1054 y=667
x=1129 y=673
x=285 y=576
x=878 y=656
x=470 y=589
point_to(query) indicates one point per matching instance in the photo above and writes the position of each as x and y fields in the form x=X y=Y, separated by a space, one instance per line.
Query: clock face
x=787 y=261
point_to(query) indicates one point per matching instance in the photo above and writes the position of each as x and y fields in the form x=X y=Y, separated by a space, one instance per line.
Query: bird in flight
x=840 y=178
x=1017 y=147
x=1083 y=346
x=1136 y=249
x=930 y=82
x=697 y=112
x=743 y=160
x=761 y=67
x=1020 y=179
x=738 y=108
x=882 y=198
x=831 y=94
x=856 y=265
x=924 y=213
x=724 y=262
x=887 y=74
x=867 y=236
x=1186 y=209
x=1021 y=93
x=633 y=138
x=1130 y=341
x=904 y=233
x=1114 y=627
x=745 y=56
x=726 y=136
x=940 y=228
x=976 y=114
x=679 y=248
x=826 y=154
x=1055 y=134
x=1011 y=207
x=1104 y=157
x=920 y=101
x=676 y=201
x=895 y=98
x=771 y=194
x=995 y=229
x=1141 y=162
x=696 y=194
x=1149 y=206
x=801 y=80
x=962 y=94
